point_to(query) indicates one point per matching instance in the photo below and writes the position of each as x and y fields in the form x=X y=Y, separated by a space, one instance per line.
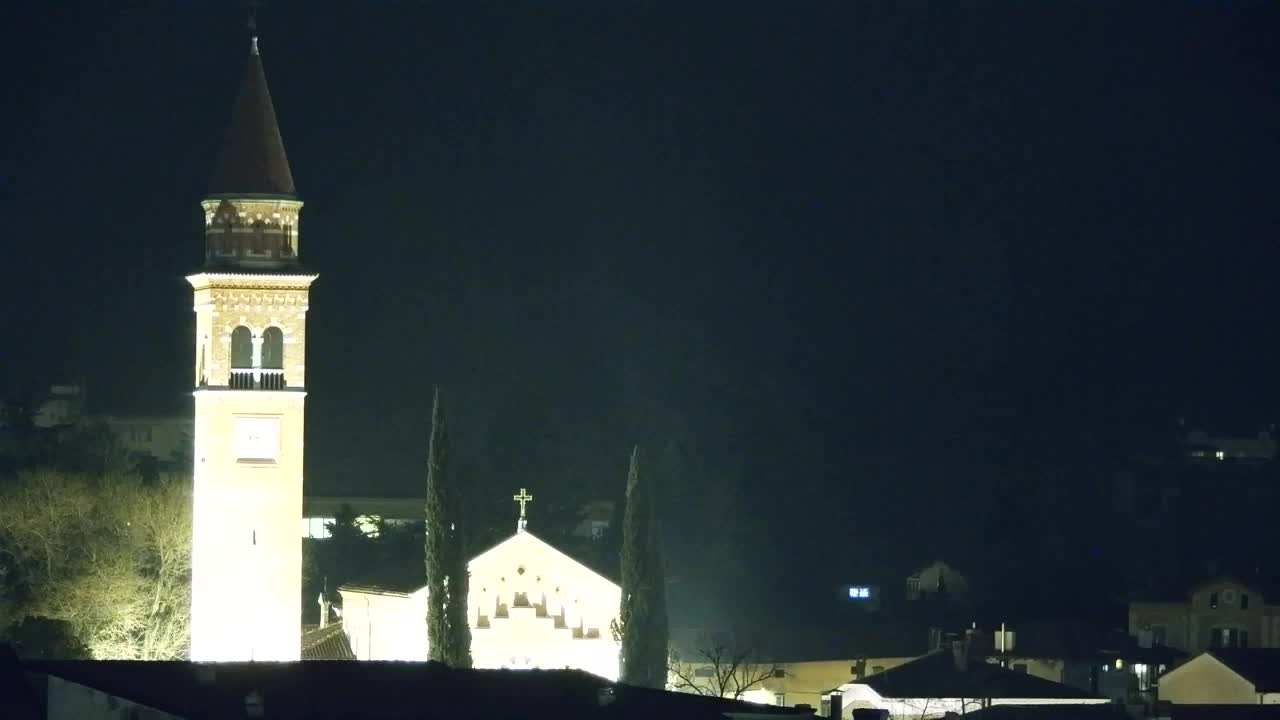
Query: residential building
x=1200 y=446
x=165 y=438
x=318 y=511
x=937 y=578
x=1109 y=663
x=1223 y=612
x=794 y=667
x=1228 y=676
x=948 y=681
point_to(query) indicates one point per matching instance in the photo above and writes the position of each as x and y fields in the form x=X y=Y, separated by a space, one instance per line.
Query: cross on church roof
x=522 y=498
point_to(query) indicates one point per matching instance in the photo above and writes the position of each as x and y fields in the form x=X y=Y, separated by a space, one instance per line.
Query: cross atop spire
x=253 y=27
x=522 y=498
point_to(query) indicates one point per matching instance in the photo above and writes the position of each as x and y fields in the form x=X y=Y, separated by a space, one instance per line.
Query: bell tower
x=250 y=380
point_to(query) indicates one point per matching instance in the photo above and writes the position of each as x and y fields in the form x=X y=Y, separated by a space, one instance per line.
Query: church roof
x=326 y=643
x=402 y=576
x=405 y=575
x=526 y=536
x=252 y=160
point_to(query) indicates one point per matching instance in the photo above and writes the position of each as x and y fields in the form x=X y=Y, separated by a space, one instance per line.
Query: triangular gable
x=1203 y=659
x=525 y=537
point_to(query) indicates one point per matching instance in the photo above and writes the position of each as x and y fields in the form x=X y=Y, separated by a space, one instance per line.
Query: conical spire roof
x=252 y=161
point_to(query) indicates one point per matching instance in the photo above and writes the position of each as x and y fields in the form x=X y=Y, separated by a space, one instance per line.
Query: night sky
x=871 y=259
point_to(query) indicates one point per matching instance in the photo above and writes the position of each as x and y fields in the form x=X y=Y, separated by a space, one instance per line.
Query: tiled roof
x=327 y=643
x=253 y=161
x=1099 y=711
x=936 y=676
x=1260 y=666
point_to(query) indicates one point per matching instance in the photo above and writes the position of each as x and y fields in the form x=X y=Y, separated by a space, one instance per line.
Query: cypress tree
x=448 y=636
x=643 y=615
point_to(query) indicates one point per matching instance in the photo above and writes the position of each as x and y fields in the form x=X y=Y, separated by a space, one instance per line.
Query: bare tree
x=110 y=556
x=719 y=668
x=925 y=709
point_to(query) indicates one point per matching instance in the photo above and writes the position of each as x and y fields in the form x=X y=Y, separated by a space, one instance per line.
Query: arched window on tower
x=241 y=358
x=273 y=359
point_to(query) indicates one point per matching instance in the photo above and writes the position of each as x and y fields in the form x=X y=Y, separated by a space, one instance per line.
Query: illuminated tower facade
x=250 y=380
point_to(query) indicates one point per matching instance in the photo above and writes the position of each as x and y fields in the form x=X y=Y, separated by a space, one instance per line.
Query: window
x=1244 y=601
x=1159 y=635
x=241 y=348
x=876 y=669
x=703 y=672
x=273 y=348
x=779 y=673
x=825 y=707
x=1228 y=637
x=780 y=699
x=1020 y=667
x=1213 y=601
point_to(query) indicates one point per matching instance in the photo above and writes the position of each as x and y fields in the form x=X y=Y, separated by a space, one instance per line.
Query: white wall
x=1205 y=680
x=384 y=626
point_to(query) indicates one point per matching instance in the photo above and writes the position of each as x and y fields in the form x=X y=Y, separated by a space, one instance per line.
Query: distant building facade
x=529 y=606
x=1221 y=613
x=319 y=511
x=936 y=578
x=165 y=438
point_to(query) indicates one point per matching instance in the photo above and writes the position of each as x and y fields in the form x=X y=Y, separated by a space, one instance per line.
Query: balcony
x=256 y=379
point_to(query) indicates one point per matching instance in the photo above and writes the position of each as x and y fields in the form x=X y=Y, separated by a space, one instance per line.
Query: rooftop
x=1260 y=666
x=253 y=161
x=936 y=675
x=1105 y=711
x=381 y=691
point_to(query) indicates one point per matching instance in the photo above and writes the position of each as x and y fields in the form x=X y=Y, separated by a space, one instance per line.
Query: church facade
x=529 y=606
x=251 y=301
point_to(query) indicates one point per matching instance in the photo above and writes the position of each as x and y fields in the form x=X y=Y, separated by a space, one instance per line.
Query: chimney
x=324 y=611
x=837 y=705
x=960 y=652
